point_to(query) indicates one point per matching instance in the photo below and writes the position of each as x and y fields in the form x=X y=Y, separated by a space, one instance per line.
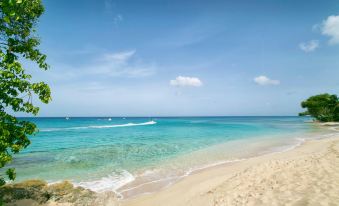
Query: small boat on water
x=109 y=119
x=67 y=118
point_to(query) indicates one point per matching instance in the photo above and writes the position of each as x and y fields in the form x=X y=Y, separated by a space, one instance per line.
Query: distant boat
x=123 y=118
x=109 y=119
x=67 y=118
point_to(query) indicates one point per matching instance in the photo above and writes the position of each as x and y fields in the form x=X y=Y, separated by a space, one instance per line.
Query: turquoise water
x=125 y=154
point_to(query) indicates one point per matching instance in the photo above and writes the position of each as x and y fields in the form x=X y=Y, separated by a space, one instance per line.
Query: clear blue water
x=112 y=153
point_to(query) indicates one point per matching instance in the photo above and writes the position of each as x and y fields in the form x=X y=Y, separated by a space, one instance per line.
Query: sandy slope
x=307 y=175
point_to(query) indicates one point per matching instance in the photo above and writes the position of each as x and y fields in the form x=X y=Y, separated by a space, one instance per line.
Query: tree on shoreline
x=18 y=19
x=323 y=107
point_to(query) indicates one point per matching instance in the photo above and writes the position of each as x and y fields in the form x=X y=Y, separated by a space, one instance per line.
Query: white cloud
x=120 y=57
x=121 y=64
x=263 y=81
x=330 y=27
x=182 y=81
x=309 y=46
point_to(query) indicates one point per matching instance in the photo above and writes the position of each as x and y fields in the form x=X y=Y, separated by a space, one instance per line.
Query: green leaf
x=7 y=20
x=11 y=173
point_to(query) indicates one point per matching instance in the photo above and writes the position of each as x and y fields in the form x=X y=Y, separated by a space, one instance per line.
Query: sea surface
x=131 y=156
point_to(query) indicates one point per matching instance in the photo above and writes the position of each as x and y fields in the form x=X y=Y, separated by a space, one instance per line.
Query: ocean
x=133 y=155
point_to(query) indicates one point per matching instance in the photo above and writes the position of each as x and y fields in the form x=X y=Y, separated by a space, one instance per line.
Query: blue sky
x=172 y=58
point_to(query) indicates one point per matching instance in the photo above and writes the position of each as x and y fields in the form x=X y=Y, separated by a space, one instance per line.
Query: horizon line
x=165 y=116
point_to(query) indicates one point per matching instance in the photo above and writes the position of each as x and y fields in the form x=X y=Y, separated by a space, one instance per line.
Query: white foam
x=109 y=183
x=334 y=129
x=124 y=125
x=100 y=126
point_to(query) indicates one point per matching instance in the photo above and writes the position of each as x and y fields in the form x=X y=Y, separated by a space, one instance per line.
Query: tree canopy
x=18 y=42
x=323 y=107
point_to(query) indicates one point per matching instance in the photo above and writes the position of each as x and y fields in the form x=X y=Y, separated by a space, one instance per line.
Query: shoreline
x=201 y=168
x=133 y=187
x=196 y=187
x=270 y=150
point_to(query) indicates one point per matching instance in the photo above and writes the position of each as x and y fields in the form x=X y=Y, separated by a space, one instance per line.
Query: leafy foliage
x=18 y=42
x=323 y=107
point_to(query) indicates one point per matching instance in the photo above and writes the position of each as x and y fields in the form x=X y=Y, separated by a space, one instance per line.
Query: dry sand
x=307 y=175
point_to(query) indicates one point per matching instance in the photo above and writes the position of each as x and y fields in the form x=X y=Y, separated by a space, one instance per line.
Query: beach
x=306 y=175
x=169 y=103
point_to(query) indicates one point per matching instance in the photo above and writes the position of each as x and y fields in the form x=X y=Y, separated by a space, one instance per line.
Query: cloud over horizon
x=264 y=81
x=182 y=81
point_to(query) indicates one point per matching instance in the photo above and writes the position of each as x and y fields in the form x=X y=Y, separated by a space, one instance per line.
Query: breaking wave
x=109 y=183
x=100 y=126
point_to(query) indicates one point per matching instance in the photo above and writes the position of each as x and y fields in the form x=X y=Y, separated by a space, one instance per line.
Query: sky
x=187 y=58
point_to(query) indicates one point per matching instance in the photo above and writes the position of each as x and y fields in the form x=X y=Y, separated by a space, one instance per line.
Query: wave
x=109 y=183
x=125 y=125
x=117 y=180
x=100 y=126
x=336 y=129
